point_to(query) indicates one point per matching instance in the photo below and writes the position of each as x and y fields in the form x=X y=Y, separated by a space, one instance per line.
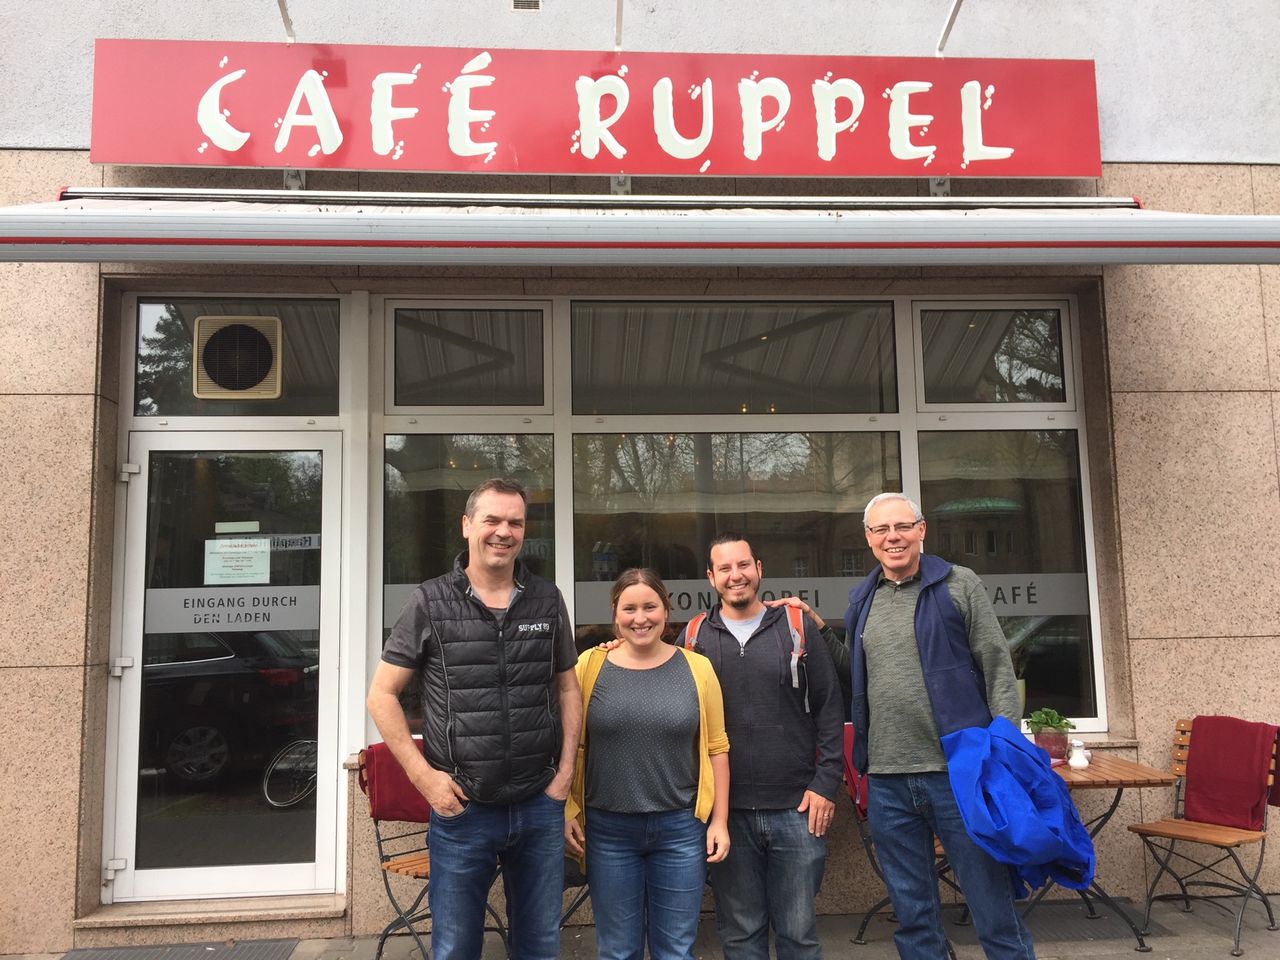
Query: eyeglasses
x=899 y=528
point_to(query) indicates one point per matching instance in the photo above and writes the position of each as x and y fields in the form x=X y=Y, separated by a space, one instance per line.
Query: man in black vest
x=492 y=647
x=927 y=657
x=782 y=705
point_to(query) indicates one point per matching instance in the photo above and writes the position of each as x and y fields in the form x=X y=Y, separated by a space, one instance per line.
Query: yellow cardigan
x=712 y=739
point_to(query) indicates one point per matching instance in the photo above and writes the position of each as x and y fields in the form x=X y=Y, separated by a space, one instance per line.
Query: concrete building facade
x=1167 y=395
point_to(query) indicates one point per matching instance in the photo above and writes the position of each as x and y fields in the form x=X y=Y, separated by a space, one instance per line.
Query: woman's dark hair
x=641 y=576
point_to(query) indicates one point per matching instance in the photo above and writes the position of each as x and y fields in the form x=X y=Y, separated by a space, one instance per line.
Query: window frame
x=1069 y=366
x=350 y=360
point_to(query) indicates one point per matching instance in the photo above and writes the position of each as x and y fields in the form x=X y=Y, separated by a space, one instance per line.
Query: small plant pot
x=1053 y=742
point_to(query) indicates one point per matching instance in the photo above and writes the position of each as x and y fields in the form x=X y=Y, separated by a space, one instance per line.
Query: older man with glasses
x=927 y=656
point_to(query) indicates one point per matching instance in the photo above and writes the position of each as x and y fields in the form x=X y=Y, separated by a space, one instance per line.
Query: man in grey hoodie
x=784 y=710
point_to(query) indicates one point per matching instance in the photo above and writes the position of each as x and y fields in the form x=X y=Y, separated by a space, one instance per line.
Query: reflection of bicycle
x=290 y=777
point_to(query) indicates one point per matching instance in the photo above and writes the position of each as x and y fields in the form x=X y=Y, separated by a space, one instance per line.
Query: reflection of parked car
x=214 y=703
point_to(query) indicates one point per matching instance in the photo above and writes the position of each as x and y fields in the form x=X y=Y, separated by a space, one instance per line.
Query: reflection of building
x=987 y=526
x=1057 y=379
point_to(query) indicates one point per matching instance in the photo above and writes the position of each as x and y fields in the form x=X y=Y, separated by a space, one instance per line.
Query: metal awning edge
x=491 y=230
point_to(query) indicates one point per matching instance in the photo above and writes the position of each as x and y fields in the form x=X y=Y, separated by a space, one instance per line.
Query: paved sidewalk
x=1061 y=931
x=1203 y=934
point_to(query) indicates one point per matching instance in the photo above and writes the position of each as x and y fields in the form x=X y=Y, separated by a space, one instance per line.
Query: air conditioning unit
x=237 y=358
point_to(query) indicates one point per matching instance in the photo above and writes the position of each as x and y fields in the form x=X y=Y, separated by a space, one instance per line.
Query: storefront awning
x=304 y=227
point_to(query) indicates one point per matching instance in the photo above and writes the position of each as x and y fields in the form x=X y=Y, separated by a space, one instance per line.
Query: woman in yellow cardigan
x=652 y=780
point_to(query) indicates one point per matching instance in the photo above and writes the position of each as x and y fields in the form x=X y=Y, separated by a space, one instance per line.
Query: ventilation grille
x=237 y=358
x=526 y=4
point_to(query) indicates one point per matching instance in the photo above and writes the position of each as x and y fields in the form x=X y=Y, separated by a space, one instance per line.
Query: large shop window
x=656 y=499
x=426 y=480
x=727 y=358
x=467 y=356
x=1007 y=504
x=777 y=419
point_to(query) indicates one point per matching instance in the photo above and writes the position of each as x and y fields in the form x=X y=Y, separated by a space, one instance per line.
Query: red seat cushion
x=391 y=795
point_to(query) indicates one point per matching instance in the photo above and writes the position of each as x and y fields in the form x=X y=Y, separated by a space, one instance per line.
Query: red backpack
x=795 y=621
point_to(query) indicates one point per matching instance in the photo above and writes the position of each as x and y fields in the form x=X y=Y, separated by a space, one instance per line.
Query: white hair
x=882 y=497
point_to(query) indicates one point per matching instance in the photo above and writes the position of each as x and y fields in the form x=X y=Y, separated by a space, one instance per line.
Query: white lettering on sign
x=664 y=122
x=383 y=113
x=311 y=89
x=752 y=94
x=902 y=120
x=337 y=106
x=593 y=129
x=825 y=97
x=461 y=114
x=182 y=610
x=971 y=106
x=213 y=122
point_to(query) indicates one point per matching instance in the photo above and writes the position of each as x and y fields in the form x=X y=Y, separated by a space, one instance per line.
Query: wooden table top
x=1114 y=772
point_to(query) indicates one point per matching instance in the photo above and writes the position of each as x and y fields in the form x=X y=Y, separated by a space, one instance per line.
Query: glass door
x=227 y=766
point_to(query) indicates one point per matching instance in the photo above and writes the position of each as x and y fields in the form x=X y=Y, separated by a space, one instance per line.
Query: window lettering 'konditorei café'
x=301 y=386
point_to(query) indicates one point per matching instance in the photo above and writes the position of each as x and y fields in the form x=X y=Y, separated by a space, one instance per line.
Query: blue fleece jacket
x=1016 y=808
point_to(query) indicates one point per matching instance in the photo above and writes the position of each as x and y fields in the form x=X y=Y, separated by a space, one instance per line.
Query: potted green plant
x=1049 y=729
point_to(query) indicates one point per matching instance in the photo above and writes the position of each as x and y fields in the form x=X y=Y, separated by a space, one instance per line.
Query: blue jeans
x=646 y=872
x=528 y=839
x=905 y=811
x=769 y=879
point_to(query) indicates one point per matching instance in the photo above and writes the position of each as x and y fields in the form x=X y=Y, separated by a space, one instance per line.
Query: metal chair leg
x=866 y=920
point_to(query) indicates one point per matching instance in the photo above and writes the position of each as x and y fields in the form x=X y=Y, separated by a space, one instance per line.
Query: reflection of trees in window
x=659 y=498
x=643 y=469
x=426 y=481
x=992 y=356
x=1028 y=365
x=164 y=363
x=190 y=492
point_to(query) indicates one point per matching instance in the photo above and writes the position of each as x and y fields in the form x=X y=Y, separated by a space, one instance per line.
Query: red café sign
x=347 y=107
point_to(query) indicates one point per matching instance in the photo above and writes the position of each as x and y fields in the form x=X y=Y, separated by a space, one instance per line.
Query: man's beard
x=742 y=603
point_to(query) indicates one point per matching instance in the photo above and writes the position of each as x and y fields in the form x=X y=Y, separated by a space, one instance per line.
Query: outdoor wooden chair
x=401 y=852
x=394 y=802
x=857 y=786
x=1217 y=842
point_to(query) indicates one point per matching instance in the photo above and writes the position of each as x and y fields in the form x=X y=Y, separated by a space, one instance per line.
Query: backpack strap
x=691 y=630
x=795 y=623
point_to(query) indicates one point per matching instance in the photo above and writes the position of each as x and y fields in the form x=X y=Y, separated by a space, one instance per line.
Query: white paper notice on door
x=232 y=561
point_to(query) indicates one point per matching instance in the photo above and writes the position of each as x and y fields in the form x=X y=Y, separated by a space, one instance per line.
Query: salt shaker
x=1077 y=756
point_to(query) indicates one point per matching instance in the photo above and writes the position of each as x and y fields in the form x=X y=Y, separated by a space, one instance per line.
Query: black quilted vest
x=491 y=712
